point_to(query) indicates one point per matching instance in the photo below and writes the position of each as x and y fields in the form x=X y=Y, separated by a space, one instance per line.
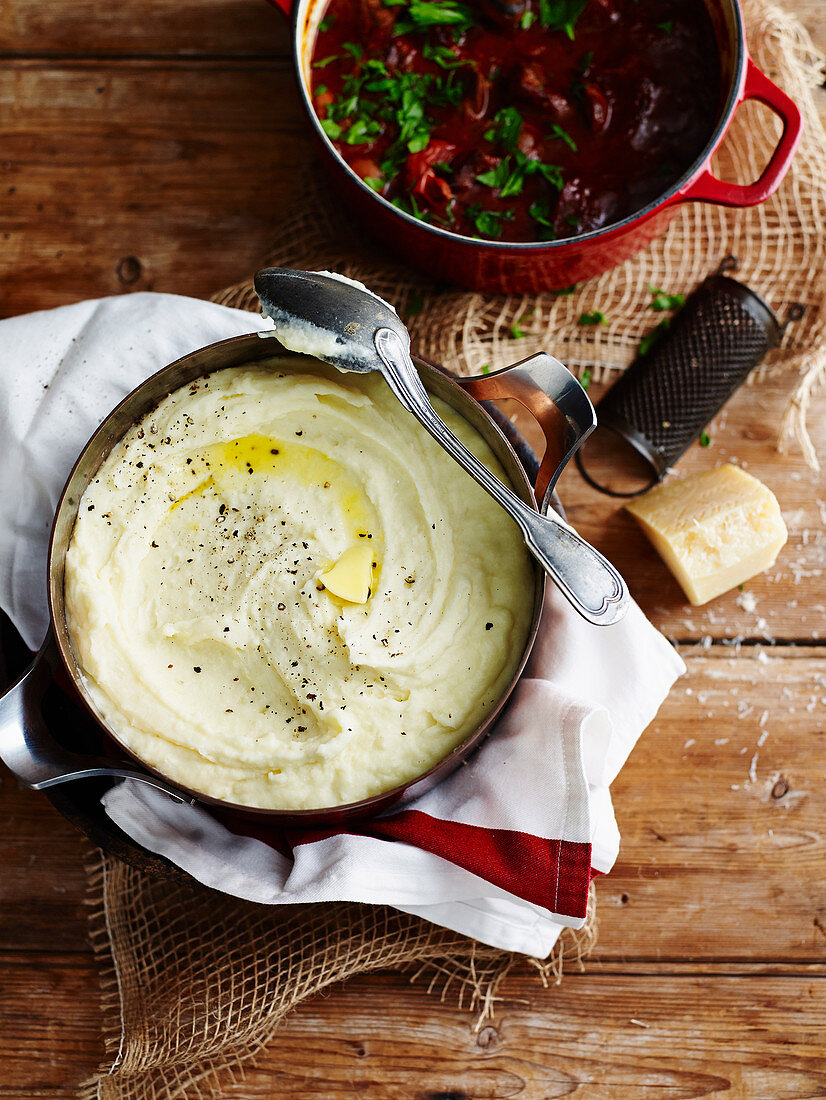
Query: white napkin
x=503 y=849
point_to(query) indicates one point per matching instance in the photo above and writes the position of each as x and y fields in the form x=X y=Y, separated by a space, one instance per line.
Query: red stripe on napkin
x=552 y=873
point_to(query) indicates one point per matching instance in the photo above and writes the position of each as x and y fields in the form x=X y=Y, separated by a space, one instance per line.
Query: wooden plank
x=42 y=885
x=687 y=1035
x=50 y=1022
x=721 y=809
x=141 y=176
x=608 y=1037
x=176 y=28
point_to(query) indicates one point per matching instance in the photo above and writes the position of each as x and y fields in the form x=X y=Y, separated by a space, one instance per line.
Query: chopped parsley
x=527 y=20
x=330 y=128
x=667 y=26
x=585 y=379
x=705 y=439
x=650 y=339
x=561 y=15
x=663 y=301
x=595 y=317
x=489 y=222
x=506 y=129
x=509 y=175
x=444 y=57
x=563 y=135
x=486 y=368
x=421 y=14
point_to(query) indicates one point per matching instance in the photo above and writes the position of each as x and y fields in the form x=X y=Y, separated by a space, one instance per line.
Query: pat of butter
x=713 y=530
x=349 y=578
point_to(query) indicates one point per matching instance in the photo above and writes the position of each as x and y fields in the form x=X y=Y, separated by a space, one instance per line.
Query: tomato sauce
x=526 y=121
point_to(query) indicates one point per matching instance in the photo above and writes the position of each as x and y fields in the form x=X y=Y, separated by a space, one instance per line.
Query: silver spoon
x=349 y=327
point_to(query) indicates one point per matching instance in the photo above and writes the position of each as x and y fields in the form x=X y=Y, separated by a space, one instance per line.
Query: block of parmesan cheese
x=713 y=530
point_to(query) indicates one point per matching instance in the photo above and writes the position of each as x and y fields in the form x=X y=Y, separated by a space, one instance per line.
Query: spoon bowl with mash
x=343 y=323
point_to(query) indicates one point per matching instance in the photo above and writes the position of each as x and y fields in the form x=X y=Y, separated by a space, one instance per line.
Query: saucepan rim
x=240 y=351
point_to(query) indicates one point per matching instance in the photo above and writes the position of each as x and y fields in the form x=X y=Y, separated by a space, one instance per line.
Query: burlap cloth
x=194 y=983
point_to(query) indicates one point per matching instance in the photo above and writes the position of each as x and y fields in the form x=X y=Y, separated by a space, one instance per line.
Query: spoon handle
x=591 y=584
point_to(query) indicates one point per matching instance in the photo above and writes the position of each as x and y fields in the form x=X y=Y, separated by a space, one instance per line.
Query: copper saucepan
x=27 y=746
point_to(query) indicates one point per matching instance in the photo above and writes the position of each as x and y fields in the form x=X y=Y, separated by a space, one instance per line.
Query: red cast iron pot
x=508 y=267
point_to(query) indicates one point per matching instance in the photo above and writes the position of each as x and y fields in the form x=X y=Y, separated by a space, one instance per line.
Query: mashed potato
x=197 y=590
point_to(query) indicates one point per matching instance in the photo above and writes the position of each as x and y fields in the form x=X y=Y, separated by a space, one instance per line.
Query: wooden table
x=152 y=145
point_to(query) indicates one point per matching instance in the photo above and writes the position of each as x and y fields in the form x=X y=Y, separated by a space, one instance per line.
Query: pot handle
x=28 y=749
x=555 y=399
x=708 y=188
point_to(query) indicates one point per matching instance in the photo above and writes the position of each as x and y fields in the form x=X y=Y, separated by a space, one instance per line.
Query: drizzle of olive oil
x=260 y=455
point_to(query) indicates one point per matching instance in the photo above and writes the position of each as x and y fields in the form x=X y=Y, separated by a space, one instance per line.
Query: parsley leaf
x=667 y=26
x=326 y=60
x=553 y=174
x=506 y=129
x=561 y=15
x=488 y=222
x=421 y=14
x=509 y=175
x=663 y=301
x=330 y=128
x=496 y=177
x=705 y=439
x=650 y=339
x=540 y=213
x=585 y=379
x=563 y=135
x=362 y=131
x=595 y=317
x=527 y=20
x=444 y=57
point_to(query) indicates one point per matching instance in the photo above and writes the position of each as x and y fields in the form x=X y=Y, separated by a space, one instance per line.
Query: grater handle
x=708 y=188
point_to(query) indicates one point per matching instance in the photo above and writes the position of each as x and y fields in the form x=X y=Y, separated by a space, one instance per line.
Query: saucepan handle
x=28 y=749
x=555 y=399
x=708 y=188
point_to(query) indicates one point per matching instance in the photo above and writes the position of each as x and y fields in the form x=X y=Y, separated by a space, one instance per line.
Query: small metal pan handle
x=27 y=747
x=557 y=402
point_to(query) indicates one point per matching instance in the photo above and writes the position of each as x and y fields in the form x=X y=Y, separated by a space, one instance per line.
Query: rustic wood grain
x=154 y=145
x=683 y=1035
x=112 y=180
x=187 y=29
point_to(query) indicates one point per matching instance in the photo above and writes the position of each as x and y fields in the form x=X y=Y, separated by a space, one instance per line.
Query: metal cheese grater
x=662 y=402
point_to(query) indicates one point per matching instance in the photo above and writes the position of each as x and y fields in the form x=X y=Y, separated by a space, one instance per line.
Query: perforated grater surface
x=664 y=399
